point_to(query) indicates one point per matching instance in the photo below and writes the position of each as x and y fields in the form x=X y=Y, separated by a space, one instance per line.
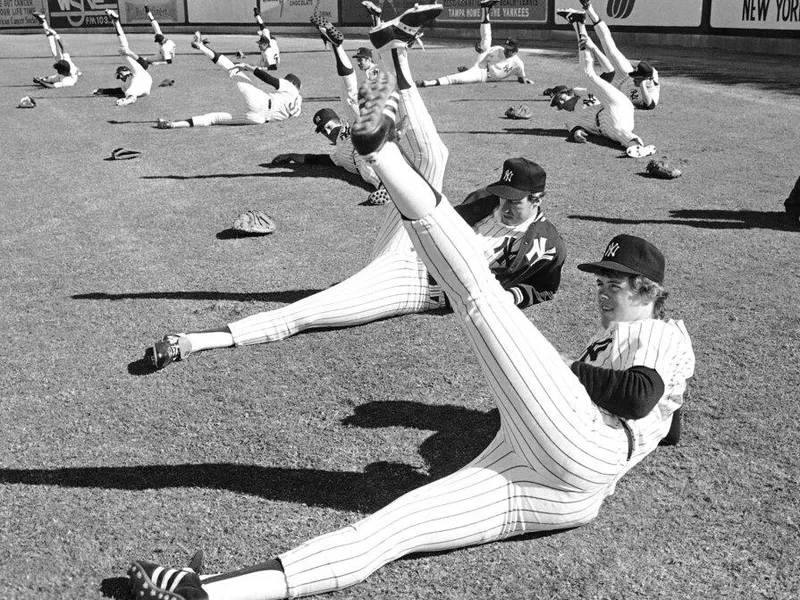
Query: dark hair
x=645 y=287
x=61 y=67
x=294 y=80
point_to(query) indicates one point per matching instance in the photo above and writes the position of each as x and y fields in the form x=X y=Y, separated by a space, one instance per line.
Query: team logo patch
x=612 y=250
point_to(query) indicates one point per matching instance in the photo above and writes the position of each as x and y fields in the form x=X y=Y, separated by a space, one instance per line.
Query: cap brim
x=506 y=191
x=607 y=265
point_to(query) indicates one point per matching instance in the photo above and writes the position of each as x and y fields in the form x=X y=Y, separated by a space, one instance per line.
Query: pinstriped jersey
x=501 y=242
x=593 y=116
x=663 y=346
x=624 y=84
x=345 y=156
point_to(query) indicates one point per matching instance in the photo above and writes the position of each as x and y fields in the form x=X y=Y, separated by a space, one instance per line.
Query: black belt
x=629 y=435
x=269 y=104
x=597 y=116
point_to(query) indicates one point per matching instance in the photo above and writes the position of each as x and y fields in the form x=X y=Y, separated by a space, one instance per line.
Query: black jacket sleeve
x=267 y=78
x=630 y=394
x=319 y=159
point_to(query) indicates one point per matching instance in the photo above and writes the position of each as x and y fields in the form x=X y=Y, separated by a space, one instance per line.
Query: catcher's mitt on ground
x=661 y=169
x=254 y=221
x=520 y=112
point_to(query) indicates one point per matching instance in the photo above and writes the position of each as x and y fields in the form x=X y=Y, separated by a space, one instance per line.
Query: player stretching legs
x=606 y=111
x=166 y=47
x=267 y=44
x=259 y=107
x=486 y=26
x=521 y=246
x=67 y=72
x=499 y=63
x=558 y=453
x=641 y=84
x=136 y=81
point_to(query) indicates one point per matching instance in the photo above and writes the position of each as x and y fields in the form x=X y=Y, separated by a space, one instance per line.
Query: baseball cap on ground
x=643 y=69
x=520 y=177
x=322 y=117
x=632 y=255
x=363 y=53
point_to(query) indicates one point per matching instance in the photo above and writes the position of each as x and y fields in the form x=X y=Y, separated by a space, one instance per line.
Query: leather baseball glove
x=661 y=169
x=520 y=112
x=254 y=221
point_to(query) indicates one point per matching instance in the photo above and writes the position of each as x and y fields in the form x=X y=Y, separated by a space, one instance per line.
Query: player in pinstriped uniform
x=259 y=106
x=569 y=430
x=522 y=247
x=328 y=122
x=640 y=84
x=605 y=111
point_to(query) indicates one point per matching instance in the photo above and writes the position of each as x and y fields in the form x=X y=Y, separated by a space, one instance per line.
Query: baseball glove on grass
x=254 y=221
x=520 y=112
x=661 y=169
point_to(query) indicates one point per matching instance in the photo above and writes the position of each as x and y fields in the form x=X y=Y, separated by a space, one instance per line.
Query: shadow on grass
x=708 y=219
x=460 y=435
x=286 y=297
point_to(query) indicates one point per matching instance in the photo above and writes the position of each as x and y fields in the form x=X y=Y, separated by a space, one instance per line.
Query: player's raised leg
x=486 y=25
x=123 y=40
x=344 y=66
x=620 y=63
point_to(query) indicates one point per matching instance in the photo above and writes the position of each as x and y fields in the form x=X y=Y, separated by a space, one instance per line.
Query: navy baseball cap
x=643 y=69
x=322 y=117
x=631 y=255
x=363 y=53
x=520 y=178
x=554 y=93
x=511 y=43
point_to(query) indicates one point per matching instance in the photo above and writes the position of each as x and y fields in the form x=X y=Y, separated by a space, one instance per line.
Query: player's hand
x=578 y=136
x=242 y=67
x=526 y=81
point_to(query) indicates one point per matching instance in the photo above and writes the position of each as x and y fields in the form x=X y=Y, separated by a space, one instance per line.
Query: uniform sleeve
x=319 y=159
x=630 y=394
x=535 y=274
x=267 y=78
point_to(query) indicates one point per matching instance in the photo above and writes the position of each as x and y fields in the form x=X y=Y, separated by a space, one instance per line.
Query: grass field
x=248 y=452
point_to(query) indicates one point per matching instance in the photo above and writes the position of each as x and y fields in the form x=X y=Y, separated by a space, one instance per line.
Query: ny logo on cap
x=508 y=175
x=612 y=249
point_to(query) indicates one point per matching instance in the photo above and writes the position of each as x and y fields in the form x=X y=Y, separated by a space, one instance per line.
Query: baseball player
x=67 y=71
x=640 y=84
x=330 y=124
x=605 y=111
x=166 y=47
x=495 y=63
x=522 y=247
x=259 y=107
x=569 y=430
x=135 y=80
x=267 y=44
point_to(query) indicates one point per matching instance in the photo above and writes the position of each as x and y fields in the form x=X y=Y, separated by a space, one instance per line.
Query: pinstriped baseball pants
x=554 y=460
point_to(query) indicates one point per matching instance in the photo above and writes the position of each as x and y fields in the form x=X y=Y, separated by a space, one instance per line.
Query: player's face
x=515 y=212
x=509 y=52
x=617 y=301
x=561 y=101
x=364 y=63
x=331 y=129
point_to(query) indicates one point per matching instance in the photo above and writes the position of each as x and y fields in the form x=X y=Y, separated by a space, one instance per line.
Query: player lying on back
x=267 y=44
x=328 y=122
x=257 y=106
x=67 y=71
x=135 y=80
x=641 y=84
x=604 y=111
x=166 y=47
x=569 y=430
x=523 y=248
x=495 y=63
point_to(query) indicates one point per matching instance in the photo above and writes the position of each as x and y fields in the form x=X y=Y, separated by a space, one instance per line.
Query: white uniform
x=557 y=455
x=166 y=51
x=345 y=156
x=609 y=113
x=259 y=106
x=492 y=65
x=140 y=83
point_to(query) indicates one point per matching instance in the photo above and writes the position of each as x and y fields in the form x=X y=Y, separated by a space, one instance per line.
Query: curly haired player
x=259 y=106
x=569 y=430
x=522 y=247
x=605 y=111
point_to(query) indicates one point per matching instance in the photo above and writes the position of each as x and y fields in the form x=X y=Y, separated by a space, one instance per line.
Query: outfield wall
x=762 y=26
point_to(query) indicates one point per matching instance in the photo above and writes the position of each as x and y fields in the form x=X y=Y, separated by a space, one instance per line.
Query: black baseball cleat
x=488 y=3
x=586 y=4
x=39 y=17
x=149 y=580
x=112 y=14
x=328 y=33
x=165 y=351
x=377 y=123
x=404 y=30
x=572 y=15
